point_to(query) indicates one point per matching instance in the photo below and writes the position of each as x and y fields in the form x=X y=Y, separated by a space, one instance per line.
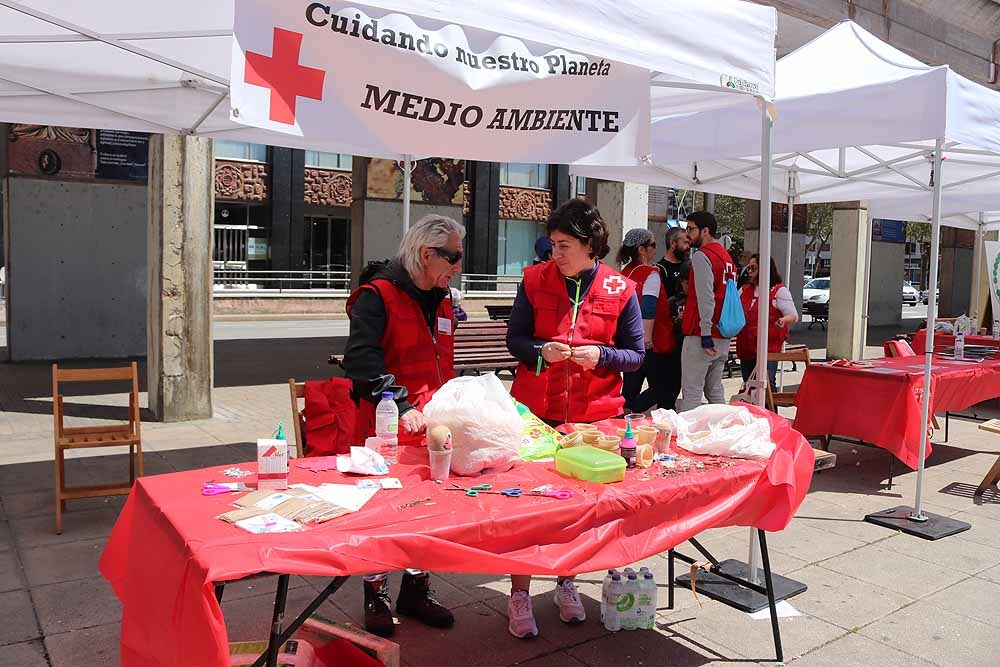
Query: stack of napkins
x=286 y=511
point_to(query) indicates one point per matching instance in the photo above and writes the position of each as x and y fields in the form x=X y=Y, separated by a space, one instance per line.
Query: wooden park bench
x=479 y=346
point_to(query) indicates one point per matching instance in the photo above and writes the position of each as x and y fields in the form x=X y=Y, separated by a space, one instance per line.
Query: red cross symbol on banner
x=284 y=76
x=614 y=285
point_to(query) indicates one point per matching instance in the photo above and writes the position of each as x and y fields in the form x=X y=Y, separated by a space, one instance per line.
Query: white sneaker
x=568 y=600
x=522 y=618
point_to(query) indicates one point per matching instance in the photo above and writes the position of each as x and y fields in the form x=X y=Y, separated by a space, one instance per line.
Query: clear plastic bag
x=485 y=426
x=721 y=430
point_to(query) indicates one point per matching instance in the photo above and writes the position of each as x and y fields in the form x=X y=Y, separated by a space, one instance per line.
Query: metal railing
x=233 y=279
x=239 y=281
x=487 y=283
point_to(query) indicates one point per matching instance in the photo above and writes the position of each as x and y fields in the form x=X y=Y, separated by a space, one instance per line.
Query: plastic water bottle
x=960 y=344
x=647 y=601
x=387 y=427
x=604 y=592
x=627 y=603
x=612 y=617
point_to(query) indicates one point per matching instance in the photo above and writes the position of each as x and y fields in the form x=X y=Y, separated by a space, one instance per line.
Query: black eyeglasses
x=453 y=257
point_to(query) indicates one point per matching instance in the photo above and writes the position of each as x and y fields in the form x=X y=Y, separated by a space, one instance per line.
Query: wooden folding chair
x=784 y=399
x=298 y=391
x=94 y=436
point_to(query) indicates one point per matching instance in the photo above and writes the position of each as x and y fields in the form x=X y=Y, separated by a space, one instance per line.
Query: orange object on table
x=880 y=403
x=167 y=548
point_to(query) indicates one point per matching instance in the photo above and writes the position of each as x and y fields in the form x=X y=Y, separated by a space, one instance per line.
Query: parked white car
x=816 y=290
x=910 y=295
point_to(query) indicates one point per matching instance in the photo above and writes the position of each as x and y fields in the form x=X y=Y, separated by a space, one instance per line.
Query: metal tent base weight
x=929 y=527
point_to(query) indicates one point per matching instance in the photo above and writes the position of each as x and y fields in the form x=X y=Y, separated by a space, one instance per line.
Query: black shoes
x=416 y=600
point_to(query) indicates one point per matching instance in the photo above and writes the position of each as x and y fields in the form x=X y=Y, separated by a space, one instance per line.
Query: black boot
x=378 y=614
x=417 y=599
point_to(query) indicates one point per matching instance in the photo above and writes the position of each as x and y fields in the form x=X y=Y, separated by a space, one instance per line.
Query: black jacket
x=364 y=358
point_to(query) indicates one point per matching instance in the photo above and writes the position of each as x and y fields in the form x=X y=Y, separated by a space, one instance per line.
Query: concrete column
x=956 y=271
x=377 y=221
x=623 y=206
x=984 y=285
x=779 y=241
x=179 y=338
x=847 y=263
x=885 y=291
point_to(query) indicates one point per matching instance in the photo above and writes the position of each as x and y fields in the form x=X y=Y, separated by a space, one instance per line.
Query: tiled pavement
x=875 y=598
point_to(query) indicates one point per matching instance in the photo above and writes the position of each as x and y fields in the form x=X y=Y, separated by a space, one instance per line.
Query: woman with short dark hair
x=781 y=315
x=575 y=328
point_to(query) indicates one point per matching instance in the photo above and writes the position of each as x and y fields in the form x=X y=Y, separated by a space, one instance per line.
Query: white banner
x=334 y=74
x=991 y=257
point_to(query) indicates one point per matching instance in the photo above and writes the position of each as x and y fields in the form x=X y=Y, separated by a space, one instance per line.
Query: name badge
x=444 y=326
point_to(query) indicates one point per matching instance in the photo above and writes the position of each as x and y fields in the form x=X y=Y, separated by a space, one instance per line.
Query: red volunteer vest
x=421 y=362
x=722 y=268
x=563 y=391
x=746 y=340
x=664 y=341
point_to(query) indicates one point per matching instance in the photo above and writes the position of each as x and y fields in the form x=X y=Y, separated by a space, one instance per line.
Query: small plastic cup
x=637 y=419
x=592 y=437
x=609 y=443
x=645 y=435
x=664 y=432
x=584 y=427
x=440 y=464
x=574 y=439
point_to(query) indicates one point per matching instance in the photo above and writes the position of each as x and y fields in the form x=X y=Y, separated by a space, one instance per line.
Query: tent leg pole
x=913 y=520
x=867 y=287
x=407 y=179
x=763 y=289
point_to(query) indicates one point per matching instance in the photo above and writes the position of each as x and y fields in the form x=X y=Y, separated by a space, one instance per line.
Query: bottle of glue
x=629 y=445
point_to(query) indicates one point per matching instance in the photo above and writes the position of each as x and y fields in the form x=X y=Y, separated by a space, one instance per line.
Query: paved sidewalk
x=875 y=598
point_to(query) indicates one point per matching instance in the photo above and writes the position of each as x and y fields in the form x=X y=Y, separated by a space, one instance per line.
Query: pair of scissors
x=558 y=494
x=214 y=489
x=472 y=491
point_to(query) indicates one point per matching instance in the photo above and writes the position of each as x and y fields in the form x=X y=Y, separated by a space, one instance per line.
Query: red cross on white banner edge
x=282 y=74
x=614 y=285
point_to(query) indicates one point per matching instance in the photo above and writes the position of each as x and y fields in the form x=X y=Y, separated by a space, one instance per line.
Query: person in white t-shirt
x=781 y=315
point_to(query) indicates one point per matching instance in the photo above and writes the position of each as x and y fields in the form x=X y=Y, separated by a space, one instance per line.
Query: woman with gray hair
x=403 y=324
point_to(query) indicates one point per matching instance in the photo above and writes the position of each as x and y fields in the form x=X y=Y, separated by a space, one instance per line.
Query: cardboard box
x=272 y=464
x=319 y=631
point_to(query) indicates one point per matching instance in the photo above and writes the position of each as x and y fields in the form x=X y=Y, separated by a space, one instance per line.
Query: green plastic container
x=590 y=464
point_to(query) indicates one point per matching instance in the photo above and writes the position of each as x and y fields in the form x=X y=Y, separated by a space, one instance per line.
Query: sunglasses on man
x=453 y=257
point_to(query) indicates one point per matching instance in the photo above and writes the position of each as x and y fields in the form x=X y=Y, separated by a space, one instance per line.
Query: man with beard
x=704 y=351
x=665 y=353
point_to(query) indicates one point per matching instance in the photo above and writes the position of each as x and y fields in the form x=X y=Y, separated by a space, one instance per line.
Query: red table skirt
x=167 y=549
x=884 y=409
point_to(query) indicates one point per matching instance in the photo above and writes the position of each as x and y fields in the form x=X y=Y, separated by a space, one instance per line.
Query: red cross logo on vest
x=284 y=76
x=614 y=285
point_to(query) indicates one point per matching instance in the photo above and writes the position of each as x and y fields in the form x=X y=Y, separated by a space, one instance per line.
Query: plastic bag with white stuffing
x=720 y=430
x=486 y=429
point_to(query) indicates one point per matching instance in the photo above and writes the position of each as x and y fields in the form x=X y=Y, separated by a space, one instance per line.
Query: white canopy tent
x=857 y=119
x=126 y=65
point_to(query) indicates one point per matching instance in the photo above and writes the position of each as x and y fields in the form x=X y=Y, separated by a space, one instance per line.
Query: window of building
x=523 y=175
x=516 y=246
x=328 y=250
x=580 y=186
x=240 y=150
x=321 y=160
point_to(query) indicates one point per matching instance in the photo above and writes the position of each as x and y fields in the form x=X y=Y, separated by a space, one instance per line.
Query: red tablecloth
x=942 y=339
x=167 y=548
x=884 y=408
